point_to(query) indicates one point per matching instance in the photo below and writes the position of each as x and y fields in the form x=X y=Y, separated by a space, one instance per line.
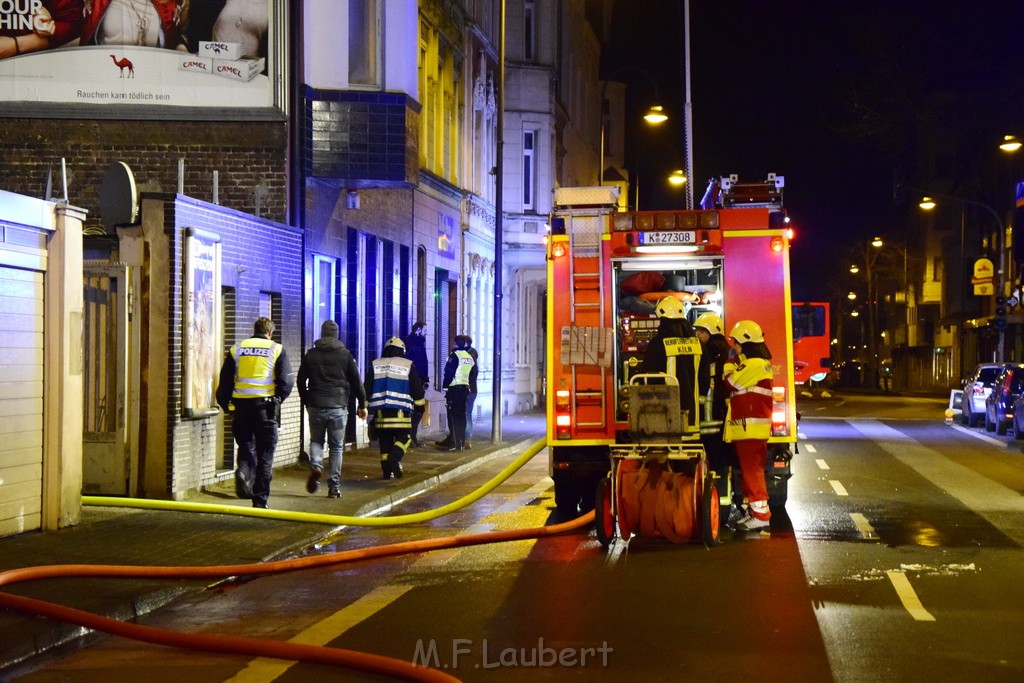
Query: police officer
x=460 y=373
x=748 y=376
x=675 y=350
x=395 y=392
x=255 y=378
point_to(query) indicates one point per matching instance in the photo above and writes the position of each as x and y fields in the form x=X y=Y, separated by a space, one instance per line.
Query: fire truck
x=606 y=271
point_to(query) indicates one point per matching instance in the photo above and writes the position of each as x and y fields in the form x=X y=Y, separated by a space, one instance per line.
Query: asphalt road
x=897 y=558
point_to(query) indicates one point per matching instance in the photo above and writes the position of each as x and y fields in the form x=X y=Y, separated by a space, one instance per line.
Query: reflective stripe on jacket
x=685 y=346
x=750 y=403
x=255 y=359
x=390 y=387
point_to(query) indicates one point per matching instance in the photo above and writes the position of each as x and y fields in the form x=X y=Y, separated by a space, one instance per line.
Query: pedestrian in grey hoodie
x=327 y=376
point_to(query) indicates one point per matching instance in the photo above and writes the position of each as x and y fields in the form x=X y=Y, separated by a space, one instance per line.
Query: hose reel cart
x=659 y=485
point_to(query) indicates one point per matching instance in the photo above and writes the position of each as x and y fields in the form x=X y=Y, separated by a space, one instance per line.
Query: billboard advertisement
x=170 y=53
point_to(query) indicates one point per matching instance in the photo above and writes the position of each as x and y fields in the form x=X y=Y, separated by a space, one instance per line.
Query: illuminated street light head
x=1011 y=143
x=851 y=296
x=877 y=242
x=854 y=268
x=927 y=203
x=677 y=178
x=656 y=114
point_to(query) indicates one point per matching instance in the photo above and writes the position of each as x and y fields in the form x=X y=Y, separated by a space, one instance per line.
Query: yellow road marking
x=324 y=631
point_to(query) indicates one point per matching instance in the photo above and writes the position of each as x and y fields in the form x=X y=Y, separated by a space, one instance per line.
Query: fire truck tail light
x=778 y=417
x=558 y=250
x=780 y=412
x=777 y=244
x=622 y=221
x=562 y=399
x=563 y=421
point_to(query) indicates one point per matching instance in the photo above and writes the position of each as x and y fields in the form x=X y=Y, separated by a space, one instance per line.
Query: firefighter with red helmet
x=748 y=423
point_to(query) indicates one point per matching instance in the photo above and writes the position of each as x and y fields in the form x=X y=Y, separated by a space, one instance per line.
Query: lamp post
x=654 y=116
x=869 y=261
x=928 y=203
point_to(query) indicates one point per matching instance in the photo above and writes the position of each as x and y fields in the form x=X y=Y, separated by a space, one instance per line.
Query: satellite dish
x=118 y=197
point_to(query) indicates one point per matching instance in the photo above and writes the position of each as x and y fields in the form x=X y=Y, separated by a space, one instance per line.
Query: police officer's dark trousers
x=255 y=432
x=456 y=397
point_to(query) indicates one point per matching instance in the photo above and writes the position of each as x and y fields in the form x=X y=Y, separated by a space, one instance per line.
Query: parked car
x=977 y=387
x=1005 y=391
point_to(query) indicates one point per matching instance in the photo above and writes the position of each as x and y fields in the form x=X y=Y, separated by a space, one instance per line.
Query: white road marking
x=838 y=488
x=810 y=448
x=865 y=528
x=822 y=465
x=997 y=504
x=981 y=435
x=908 y=597
x=324 y=631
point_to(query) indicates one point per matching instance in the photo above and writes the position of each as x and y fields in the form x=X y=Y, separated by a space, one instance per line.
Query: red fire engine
x=606 y=271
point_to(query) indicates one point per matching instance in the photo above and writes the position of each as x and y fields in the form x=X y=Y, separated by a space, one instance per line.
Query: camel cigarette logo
x=124 y=63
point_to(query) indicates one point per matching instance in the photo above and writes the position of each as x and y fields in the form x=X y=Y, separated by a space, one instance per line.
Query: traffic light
x=999 y=322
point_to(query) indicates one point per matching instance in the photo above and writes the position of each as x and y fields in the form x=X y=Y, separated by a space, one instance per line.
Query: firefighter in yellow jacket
x=255 y=378
x=675 y=350
x=748 y=424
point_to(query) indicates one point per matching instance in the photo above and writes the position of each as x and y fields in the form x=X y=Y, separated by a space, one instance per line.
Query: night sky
x=825 y=93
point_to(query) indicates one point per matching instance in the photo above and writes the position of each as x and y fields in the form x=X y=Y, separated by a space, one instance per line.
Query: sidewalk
x=151 y=537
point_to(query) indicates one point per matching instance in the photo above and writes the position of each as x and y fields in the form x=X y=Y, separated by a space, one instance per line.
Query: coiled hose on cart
x=358 y=661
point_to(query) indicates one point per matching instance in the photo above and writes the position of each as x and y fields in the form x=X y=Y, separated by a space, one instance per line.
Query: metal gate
x=107 y=465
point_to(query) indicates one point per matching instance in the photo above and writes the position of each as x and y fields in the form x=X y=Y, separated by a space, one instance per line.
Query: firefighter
x=395 y=391
x=255 y=378
x=748 y=376
x=675 y=350
x=713 y=393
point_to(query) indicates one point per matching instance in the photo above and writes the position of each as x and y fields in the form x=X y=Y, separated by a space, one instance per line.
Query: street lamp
x=928 y=203
x=677 y=178
x=655 y=114
x=1010 y=143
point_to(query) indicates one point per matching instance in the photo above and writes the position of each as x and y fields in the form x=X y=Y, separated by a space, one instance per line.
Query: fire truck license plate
x=674 y=237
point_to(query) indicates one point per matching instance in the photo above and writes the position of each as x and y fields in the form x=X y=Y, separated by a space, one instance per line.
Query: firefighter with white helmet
x=394 y=391
x=748 y=424
x=675 y=350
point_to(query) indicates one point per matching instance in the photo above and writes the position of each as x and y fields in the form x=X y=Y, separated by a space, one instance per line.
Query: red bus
x=812 y=350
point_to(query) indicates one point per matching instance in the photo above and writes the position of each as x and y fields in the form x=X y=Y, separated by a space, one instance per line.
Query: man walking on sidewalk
x=255 y=378
x=327 y=377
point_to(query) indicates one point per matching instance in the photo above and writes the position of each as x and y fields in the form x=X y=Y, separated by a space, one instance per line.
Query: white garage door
x=21 y=400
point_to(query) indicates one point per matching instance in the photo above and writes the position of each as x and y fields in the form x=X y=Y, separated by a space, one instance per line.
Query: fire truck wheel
x=709 y=519
x=604 y=520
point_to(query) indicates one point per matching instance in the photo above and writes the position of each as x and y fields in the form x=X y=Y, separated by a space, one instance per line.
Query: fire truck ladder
x=585 y=245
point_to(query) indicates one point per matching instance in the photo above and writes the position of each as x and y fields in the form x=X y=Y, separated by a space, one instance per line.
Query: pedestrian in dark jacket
x=328 y=376
x=255 y=378
x=416 y=351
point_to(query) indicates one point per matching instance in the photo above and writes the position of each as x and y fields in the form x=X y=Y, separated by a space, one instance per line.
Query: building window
x=528 y=172
x=363 y=43
x=269 y=306
x=421 y=283
x=324 y=290
x=529 y=34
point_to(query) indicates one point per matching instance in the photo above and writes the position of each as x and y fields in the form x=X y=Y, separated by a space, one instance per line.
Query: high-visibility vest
x=462 y=372
x=750 y=404
x=255 y=359
x=390 y=387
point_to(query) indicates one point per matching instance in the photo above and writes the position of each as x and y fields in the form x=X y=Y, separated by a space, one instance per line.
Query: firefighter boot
x=385 y=467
